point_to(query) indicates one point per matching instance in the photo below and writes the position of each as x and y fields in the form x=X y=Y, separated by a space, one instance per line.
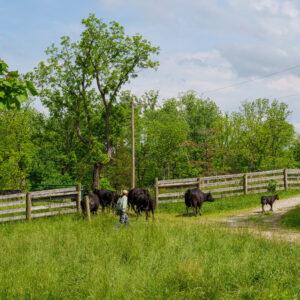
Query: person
x=121 y=209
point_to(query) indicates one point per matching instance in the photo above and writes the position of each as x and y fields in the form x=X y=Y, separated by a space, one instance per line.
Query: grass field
x=291 y=219
x=65 y=257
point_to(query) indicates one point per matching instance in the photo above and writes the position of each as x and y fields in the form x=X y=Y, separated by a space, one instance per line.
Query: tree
x=85 y=77
x=16 y=148
x=296 y=149
x=55 y=158
x=13 y=90
x=263 y=137
x=201 y=115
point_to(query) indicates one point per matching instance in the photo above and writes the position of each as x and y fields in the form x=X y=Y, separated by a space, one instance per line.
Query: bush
x=272 y=186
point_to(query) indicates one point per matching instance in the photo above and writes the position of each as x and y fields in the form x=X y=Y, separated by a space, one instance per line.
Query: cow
x=107 y=198
x=268 y=200
x=94 y=202
x=194 y=198
x=140 y=200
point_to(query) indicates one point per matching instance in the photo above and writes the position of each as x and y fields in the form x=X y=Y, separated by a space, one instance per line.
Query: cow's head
x=209 y=198
x=276 y=197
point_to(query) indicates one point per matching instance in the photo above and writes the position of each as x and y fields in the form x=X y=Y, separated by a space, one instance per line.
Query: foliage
x=13 y=90
x=296 y=150
x=82 y=80
x=272 y=185
x=54 y=160
x=16 y=148
x=262 y=136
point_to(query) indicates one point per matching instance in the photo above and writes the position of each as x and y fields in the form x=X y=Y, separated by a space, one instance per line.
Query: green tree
x=296 y=150
x=55 y=158
x=84 y=78
x=262 y=135
x=201 y=115
x=13 y=90
x=16 y=148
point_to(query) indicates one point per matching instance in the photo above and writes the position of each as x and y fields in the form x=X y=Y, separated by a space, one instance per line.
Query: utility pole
x=132 y=145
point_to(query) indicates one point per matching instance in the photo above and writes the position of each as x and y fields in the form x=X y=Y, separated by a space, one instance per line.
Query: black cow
x=268 y=200
x=9 y=192
x=107 y=198
x=195 y=198
x=140 y=200
x=94 y=202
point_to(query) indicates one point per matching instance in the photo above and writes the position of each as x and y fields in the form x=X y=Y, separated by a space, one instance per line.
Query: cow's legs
x=200 y=207
x=137 y=213
x=187 y=211
x=271 y=207
x=195 y=211
x=147 y=214
x=133 y=208
x=263 y=209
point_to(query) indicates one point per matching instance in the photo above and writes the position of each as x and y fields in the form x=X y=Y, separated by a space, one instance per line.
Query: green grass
x=291 y=219
x=223 y=206
x=64 y=257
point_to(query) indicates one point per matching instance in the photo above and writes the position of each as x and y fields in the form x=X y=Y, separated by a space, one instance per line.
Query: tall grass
x=64 y=257
x=291 y=219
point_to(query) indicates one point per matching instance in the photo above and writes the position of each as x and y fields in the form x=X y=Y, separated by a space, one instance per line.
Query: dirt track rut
x=268 y=227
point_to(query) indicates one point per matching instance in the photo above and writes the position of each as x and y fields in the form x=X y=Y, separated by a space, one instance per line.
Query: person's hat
x=124 y=192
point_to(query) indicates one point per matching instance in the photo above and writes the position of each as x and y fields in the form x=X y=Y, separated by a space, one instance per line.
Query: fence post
x=285 y=179
x=28 y=206
x=78 y=200
x=87 y=208
x=156 y=192
x=198 y=182
x=245 y=184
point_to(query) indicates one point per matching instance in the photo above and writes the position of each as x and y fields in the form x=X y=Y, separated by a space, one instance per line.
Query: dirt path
x=268 y=225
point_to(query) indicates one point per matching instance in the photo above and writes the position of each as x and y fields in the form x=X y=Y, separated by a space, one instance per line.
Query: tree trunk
x=96 y=174
x=107 y=131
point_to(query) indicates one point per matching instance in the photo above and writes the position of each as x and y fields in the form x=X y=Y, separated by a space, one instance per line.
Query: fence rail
x=11 y=204
x=227 y=185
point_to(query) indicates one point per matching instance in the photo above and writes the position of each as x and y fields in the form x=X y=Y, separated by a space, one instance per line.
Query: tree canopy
x=13 y=90
x=82 y=81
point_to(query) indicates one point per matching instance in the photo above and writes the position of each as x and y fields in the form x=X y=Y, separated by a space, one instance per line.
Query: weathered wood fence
x=172 y=190
x=38 y=204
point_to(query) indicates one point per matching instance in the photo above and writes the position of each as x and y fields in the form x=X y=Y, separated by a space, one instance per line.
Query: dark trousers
x=123 y=218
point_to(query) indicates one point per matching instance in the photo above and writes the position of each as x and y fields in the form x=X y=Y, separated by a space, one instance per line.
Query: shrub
x=272 y=186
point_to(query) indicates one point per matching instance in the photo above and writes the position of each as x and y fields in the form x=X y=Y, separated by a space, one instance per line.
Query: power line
x=251 y=80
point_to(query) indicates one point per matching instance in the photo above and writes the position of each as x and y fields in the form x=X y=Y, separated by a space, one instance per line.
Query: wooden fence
x=172 y=190
x=40 y=204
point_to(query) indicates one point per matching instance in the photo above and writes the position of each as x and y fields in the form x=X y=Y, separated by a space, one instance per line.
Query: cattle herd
x=140 y=200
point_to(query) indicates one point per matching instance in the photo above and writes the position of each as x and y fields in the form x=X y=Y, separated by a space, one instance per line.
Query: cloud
x=259 y=60
x=274 y=18
x=285 y=84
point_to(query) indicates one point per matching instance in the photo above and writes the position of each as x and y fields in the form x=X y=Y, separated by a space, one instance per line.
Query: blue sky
x=204 y=44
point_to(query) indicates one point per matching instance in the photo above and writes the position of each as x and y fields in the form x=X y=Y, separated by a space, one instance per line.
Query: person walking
x=121 y=209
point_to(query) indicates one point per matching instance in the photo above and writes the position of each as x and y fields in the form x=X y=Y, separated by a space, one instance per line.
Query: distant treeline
x=183 y=137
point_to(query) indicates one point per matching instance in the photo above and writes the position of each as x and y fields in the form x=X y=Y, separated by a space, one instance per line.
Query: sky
x=206 y=46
